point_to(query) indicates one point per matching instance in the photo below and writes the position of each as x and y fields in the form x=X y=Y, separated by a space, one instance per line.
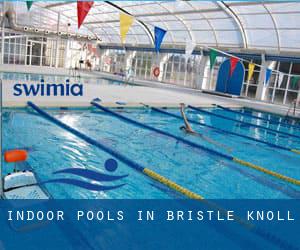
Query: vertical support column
x=57 y=41
x=288 y=82
x=2 y=41
x=67 y=64
x=203 y=77
x=261 y=89
x=162 y=62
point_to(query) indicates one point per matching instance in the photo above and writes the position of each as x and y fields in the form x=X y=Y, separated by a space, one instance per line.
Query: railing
x=292 y=106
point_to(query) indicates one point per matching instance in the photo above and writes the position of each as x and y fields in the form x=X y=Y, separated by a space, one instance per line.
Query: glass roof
x=266 y=25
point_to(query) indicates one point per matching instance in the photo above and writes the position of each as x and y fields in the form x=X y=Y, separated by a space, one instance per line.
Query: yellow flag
x=250 y=71
x=125 y=23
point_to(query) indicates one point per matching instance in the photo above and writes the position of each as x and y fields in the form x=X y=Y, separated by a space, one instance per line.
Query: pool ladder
x=292 y=106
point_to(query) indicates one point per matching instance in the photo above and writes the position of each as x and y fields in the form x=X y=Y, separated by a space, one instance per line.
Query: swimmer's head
x=182 y=128
x=182 y=105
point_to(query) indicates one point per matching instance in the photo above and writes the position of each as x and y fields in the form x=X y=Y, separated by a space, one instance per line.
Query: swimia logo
x=48 y=89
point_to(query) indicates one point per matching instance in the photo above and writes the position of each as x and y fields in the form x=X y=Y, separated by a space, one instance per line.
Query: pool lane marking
x=195 y=145
x=156 y=176
x=257 y=117
x=296 y=151
x=171 y=184
x=224 y=131
x=136 y=166
x=267 y=171
x=248 y=123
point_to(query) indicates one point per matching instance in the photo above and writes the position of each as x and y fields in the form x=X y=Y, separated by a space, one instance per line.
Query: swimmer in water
x=188 y=129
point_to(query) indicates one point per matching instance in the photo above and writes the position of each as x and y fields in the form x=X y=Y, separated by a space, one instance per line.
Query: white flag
x=280 y=79
x=189 y=48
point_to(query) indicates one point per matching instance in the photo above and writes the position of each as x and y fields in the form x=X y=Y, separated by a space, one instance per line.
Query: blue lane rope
x=136 y=166
x=248 y=123
x=257 y=117
x=221 y=130
x=145 y=126
x=195 y=145
x=285 y=118
x=155 y=176
x=108 y=150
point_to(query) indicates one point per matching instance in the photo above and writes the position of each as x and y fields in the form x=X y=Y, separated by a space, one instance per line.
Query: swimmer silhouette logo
x=110 y=165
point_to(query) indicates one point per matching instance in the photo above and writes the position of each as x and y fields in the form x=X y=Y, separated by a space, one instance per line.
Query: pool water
x=52 y=148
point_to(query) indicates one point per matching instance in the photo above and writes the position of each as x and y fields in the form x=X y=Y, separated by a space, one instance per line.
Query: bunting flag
x=159 y=35
x=29 y=4
x=251 y=67
x=268 y=76
x=212 y=57
x=233 y=63
x=125 y=23
x=295 y=80
x=280 y=79
x=189 y=48
x=83 y=8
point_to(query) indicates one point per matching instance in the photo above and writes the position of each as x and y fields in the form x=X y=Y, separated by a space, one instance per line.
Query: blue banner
x=159 y=35
x=150 y=224
x=268 y=75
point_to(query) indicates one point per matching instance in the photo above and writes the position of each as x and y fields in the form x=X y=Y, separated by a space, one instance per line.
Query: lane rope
x=257 y=117
x=136 y=166
x=224 y=131
x=248 y=123
x=195 y=145
x=158 y=177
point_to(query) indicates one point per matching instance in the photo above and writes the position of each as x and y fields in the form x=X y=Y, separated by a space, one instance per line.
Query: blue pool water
x=51 y=149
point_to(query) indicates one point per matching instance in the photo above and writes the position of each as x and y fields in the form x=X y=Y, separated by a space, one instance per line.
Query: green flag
x=295 y=80
x=212 y=56
x=29 y=4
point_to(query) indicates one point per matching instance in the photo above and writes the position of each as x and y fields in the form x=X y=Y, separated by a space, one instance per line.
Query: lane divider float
x=136 y=166
x=247 y=123
x=296 y=151
x=195 y=145
x=157 y=177
x=257 y=117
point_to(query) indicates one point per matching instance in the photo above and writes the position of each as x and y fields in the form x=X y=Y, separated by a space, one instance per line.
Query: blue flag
x=159 y=34
x=268 y=75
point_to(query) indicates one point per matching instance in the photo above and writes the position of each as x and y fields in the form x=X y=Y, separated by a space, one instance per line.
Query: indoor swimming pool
x=52 y=148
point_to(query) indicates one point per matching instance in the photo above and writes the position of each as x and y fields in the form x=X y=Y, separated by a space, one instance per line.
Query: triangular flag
x=125 y=23
x=251 y=67
x=212 y=57
x=29 y=4
x=83 y=8
x=159 y=35
x=295 y=80
x=268 y=75
x=189 y=48
x=280 y=79
x=233 y=63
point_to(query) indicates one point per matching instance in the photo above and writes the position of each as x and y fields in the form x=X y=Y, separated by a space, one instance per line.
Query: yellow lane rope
x=266 y=171
x=296 y=151
x=172 y=184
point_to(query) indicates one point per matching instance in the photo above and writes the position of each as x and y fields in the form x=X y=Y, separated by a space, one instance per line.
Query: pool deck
x=110 y=94
x=146 y=92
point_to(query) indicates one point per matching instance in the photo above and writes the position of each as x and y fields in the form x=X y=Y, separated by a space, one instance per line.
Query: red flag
x=233 y=62
x=83 y=9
